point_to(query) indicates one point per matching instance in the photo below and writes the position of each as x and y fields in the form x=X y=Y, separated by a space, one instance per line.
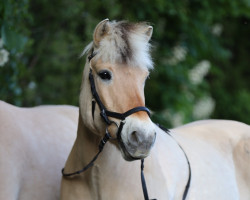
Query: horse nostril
x=134 y=137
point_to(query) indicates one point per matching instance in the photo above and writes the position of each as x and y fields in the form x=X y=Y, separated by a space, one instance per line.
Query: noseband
x=105 y=114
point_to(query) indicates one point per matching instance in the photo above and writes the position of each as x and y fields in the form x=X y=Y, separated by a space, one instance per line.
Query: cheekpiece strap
x=97 y=99
x=91 y=55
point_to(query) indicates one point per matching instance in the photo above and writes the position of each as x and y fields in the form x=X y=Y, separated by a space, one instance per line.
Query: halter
x=105 y=114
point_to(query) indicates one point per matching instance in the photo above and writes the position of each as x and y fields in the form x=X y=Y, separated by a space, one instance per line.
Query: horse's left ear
x=149 y=32
x=100 y=31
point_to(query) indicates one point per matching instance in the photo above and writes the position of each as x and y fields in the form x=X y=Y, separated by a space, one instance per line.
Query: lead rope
x=91 y=163
x=143 y=182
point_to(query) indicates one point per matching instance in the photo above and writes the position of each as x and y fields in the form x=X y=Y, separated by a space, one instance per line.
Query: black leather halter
x=105 y=114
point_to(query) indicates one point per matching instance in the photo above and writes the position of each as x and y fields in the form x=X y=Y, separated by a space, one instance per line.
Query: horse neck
x=84 y=148
x=106 y=167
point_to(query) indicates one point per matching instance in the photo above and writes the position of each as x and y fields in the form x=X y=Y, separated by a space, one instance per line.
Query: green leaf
x=12 y=40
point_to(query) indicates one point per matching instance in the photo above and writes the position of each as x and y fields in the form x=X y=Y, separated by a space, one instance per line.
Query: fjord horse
x=35 y=142
x=117 y=66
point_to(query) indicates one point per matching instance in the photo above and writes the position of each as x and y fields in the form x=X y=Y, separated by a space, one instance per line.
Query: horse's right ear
x=100 y=31
x=149 y=32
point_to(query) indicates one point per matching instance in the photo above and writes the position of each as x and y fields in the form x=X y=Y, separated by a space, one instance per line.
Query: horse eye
x=105 y=75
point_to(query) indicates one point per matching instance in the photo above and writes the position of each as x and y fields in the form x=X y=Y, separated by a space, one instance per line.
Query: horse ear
x=149 y=32
x=100 y=31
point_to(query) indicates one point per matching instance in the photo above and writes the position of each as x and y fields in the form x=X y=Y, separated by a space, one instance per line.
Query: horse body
x=31 y=160
x=218 y=151
x=34 y=145
x=34 y=142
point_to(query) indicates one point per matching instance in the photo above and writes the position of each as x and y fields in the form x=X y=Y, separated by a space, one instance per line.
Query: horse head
x=118 y=65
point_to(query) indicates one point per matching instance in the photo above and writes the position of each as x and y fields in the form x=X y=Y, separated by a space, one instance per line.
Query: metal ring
x=113 y=122
x=107 y=132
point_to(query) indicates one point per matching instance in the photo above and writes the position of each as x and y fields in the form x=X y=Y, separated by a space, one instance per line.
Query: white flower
x=199 y=71
x=217 y=29
x=1 y=43
x=4 y=57
x=203 y=108
x=177 y=119
x=179 y=54
x=32 y=85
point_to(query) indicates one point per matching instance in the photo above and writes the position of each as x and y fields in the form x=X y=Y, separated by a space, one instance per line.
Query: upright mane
x=125 y=43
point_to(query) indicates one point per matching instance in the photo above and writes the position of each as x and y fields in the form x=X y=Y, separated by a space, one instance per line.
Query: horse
x=206 y=159
x=34 y=145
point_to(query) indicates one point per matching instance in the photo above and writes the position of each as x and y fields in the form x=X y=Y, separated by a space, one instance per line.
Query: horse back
x=221 y=147
x=34 y=145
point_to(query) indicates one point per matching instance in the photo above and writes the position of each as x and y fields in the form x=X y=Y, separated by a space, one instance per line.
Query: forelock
x=125 y=43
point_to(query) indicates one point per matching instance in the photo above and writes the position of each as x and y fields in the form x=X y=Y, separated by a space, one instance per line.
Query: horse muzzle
x=136 y=139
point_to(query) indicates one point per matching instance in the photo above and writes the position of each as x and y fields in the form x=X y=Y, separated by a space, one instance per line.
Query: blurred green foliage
x=200 y=49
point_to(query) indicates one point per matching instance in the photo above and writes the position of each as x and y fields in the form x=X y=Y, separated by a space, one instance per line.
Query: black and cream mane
x=124 y=43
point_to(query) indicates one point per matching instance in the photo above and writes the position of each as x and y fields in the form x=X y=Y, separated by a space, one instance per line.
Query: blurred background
x=201 y=51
